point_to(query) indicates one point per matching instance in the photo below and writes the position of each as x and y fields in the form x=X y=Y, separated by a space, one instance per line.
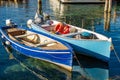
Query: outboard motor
x=9 y=23
x=46 y=16
x=50 y=22
x=38 y=20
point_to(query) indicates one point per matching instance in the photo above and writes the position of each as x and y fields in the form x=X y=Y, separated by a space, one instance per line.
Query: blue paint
x=21 y=12
x=63 y=57
x=86 y=34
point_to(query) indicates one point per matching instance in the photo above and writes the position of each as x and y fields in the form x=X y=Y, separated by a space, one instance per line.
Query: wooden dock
x=82 y=1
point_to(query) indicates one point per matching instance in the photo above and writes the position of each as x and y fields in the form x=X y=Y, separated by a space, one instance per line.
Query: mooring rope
x=116 y=53
x=80 y=65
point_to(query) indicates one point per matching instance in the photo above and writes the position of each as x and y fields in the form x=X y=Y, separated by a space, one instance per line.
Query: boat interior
x=32 y=39
x=74 y=33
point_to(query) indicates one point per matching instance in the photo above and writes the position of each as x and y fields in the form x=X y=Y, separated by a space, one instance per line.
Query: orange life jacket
x=66 y=30
x=61 y=29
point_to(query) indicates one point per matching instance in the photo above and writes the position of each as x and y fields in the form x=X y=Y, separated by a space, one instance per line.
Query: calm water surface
x=14 y=66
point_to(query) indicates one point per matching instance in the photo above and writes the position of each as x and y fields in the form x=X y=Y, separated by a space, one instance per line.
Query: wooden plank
x=20 y=36
x=44 y=44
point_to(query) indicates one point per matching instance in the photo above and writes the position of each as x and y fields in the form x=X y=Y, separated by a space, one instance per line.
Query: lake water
x=14 y=66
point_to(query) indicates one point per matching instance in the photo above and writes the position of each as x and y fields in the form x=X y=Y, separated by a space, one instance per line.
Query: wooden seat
x=15 y=31
x=44 y=44
x=32 y=38
x=21 y=36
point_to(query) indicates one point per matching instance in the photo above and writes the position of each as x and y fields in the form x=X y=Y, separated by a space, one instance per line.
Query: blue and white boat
x=86 y=42
x=38 y=45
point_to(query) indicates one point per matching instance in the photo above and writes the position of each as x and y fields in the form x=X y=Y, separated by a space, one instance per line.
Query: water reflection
x=89 y=66
x=88 y=16
x=77 y=13
x=115 y=12
x=33 y=67
x=107 y=21
x=19 y=14
x=13 y=3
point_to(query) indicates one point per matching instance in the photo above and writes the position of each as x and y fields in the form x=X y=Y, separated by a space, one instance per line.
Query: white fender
x=7 y=42
x=29 y=22
x=9 y=22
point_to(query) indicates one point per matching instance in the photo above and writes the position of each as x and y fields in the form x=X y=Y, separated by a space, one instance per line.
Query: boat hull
x=62 y=58
x=99 y=49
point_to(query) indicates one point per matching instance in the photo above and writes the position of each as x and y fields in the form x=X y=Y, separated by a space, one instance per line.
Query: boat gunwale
x=62 y=36
x=35 y=49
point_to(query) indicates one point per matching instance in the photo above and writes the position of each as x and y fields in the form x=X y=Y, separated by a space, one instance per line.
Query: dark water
x=14 y=66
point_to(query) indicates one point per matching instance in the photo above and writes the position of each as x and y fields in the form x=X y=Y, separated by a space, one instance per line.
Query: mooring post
x=115 y=12
x=109 y=5
x=107 y=18
x=106 y=6
x=15 y=0
x=16 y=3
x=107 y=14
x=40 y=6
x=107 y=27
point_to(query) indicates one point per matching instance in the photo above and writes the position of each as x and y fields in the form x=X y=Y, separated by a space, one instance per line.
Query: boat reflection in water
x=34 y=68
x=92 y=69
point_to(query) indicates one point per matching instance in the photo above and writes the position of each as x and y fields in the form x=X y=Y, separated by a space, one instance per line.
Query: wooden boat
x=38 y=45
x=94 y=45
